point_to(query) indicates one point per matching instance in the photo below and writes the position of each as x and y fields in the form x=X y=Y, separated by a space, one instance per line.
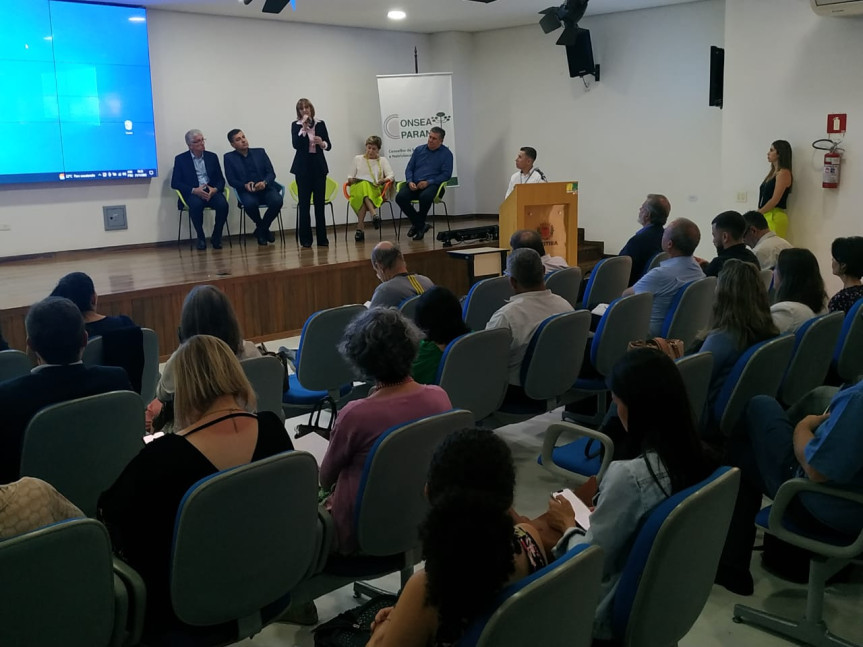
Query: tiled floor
x=714 y=628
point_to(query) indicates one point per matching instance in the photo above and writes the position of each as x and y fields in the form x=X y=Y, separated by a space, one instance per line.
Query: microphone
x=541 y=174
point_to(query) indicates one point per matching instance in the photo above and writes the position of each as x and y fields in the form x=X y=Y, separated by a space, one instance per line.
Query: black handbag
x=353 y=627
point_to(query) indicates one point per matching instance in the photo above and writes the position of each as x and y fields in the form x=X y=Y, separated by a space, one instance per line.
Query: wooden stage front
x=273 y=289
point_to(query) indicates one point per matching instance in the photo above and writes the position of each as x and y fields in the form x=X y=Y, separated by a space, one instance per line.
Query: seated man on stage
x=527 y=173
x=523 y=313
x=647 y=242
x=530 y=239
x=55 y=333
x=198 y=177
x=251 y=173
x=397 y=284
x=429 y=167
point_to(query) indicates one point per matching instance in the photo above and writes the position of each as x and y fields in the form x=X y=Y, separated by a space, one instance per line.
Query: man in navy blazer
x=55 y=333
x=198 y=176
x=429 y=167
x=251 y=173
x=647 y=242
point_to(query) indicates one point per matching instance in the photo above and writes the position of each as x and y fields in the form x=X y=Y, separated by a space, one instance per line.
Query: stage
x=273 y=289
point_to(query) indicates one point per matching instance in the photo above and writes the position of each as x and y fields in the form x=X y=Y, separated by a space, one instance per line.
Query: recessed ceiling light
x=396 y=14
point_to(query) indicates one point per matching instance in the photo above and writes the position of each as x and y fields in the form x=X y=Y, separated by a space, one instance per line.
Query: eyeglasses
x=199 y=141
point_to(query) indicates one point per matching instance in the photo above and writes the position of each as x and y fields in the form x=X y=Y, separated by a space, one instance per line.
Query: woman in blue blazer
x=310 y=139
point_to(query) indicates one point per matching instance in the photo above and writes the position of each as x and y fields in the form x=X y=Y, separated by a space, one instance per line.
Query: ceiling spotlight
x=396 y=14
x=245 y=2
x=567 y=16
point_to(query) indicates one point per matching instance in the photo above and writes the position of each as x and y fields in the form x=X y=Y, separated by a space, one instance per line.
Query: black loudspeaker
x=717 y=75
x=580 y=56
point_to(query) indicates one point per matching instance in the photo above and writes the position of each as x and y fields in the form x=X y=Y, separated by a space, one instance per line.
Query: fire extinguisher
x=832 y=162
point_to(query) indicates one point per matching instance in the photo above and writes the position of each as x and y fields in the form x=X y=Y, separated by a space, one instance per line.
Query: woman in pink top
x=381 y=345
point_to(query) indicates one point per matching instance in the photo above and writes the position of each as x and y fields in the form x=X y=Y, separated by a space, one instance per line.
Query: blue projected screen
x=75 y=95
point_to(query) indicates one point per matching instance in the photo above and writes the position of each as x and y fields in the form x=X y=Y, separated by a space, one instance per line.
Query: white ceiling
x=424 y=16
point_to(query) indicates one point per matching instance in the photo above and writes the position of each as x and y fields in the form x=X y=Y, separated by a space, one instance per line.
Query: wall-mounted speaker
x=717 y=75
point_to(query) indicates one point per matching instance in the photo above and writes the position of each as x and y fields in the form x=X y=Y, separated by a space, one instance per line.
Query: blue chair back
x=690 y=311
x=554 y=355
x=484 y=299
x=627 y=319
x=565 y=283
x=814 y=342
x=607 y=281
x=848 y=356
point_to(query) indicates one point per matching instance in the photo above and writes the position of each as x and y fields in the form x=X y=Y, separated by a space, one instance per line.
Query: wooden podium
x=549 y=208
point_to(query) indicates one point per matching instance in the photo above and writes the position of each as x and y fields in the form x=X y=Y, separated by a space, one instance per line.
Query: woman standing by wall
x=774 y=190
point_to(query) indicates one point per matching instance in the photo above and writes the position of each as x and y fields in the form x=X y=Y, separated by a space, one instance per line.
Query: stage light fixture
x=567 y=16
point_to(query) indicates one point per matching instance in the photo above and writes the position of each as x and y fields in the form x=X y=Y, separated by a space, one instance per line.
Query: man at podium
x=527 y=173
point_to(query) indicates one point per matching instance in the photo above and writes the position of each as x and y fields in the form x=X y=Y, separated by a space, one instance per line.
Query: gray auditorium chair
x=243 y=539
x=553 y=607
x=58 y=588
x=814 y=342
x=14 y=363
x=408 y=307
x=149 y=375
x=690 y=311
x=656 y=260
x=81 y=446
x=390 y=506
x=484 y=299
x=565 y=283
x=830 y=552
x=696 y=371
x=267 y=376
x=474 y=371
x=607 y=281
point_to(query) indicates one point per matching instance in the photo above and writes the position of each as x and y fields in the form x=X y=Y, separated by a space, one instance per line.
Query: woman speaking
x=774 y=190
x=310 y=139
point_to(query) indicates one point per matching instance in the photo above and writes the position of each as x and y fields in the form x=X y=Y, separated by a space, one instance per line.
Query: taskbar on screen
x=125 y=174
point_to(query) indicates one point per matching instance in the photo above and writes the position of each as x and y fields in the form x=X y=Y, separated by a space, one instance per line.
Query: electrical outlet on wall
x=114 y=217
x=741 y=196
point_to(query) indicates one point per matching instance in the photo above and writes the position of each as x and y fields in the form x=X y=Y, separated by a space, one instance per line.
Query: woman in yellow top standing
x=774 y=190
x=370 y=173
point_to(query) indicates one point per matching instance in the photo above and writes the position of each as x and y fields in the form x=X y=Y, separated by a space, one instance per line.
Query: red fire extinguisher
x=832 y=165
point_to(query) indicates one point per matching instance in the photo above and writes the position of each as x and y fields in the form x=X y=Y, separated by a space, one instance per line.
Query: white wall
x=785 y=69
x=253 y=74
x=644 y=128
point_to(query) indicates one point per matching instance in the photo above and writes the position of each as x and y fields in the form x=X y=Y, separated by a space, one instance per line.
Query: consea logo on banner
x=397 y=127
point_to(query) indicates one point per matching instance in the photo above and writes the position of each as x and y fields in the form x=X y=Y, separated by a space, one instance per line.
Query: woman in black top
x=310 y=139
x=774 y=190
x=848 y=266
x=79 y=289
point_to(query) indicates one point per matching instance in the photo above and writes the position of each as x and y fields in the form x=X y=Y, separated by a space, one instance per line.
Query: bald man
x=397 y=284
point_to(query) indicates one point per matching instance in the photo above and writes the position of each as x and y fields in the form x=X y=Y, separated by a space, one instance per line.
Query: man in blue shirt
x=429 y=167
x=679 y=239
x=646 y=243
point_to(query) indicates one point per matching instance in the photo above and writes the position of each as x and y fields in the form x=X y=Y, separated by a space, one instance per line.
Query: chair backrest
x=758 y=371
x=267 y=376
x=474 y=371
x=243 y=538
x=553 y=607
x=814 y=342
x=565 y=283
x=656 y=260
x=294 y=191
x=669 y=573
x=848 y=356
x=484 y=299
x=695 y=371
x=391 y=501
x=330 y=191
x=94 y=356
x=607 y=281
x=408 y=307
x=766 y=278
x=81 y=446
x=14 y=363
x=320 y=365
x=627 y=319
x=58 y=586
x=554 y=355
x=690 y=311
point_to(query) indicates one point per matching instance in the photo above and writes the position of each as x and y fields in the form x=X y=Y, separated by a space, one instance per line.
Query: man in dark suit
x=55 y=333
x=198 y=176
x=430 y=166
x=251 y=173
x=647 y=242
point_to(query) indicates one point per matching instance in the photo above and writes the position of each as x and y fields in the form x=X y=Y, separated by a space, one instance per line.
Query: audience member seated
x=79 y=289
x=671 y=459
x=369 y=174
x=765 y=244
x=740 y=319
x=397 y=284
x=438 y=316
x=530 y=239
x=470 y=488
x=679 y=240
x=523 y=313
x=28 y=504
x=728 y=230
x=55 y=333
x=216 y=431
x=799 y=289
x=381 y=345
x=647 y=242
x=804 y=442
x=848 y=266
x=206 y=311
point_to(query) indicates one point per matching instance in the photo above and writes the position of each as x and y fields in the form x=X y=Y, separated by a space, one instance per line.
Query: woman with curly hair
x=470 y=488
x=799 y=288
x=381 y=345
